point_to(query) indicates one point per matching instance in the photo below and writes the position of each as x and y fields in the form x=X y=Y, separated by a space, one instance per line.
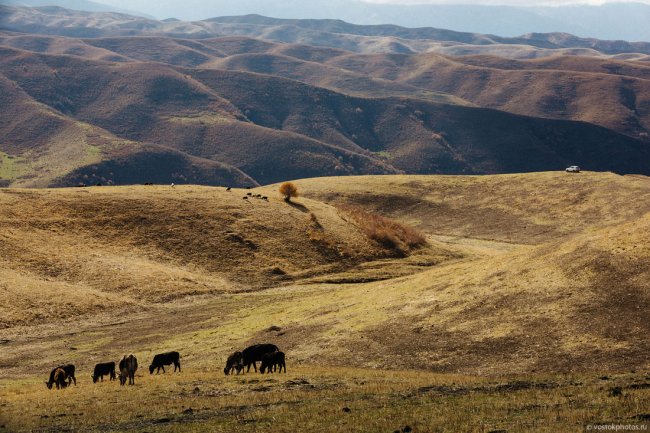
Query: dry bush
x=313 y=219
x=388 y=233
x=288 y=190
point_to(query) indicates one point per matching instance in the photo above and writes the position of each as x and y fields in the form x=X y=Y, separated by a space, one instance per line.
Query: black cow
x=234 y=362
x=103 y=369
x=162 y=359
x=128 y=366
x=69 y=374
x=273 y=361
x=254 y=353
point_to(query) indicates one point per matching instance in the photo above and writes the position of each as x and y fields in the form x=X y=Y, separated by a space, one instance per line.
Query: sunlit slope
x=528 y=208
x=535 y=272
x=67 y=252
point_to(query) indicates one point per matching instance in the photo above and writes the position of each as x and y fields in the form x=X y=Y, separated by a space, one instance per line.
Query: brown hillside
x=126 y=247
x=274 y=129
x=524 y=273
x=517 y=208
x=607 y=97
x=228 y=108
x=565 y=86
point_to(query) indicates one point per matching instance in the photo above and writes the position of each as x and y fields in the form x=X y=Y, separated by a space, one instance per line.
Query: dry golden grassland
x=318 y=399
x=530 y=288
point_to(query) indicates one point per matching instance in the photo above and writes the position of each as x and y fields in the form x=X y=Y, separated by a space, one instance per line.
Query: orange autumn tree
x=288 y=190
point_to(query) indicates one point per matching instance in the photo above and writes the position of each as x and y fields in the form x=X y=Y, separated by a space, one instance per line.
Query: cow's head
x=48 y=384
x=151 y=369
x=94 y=378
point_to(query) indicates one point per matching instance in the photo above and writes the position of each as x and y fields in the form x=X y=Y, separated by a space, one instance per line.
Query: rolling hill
x=240 y=111
x=210 y=104
x=482 y=298
x=522 y=273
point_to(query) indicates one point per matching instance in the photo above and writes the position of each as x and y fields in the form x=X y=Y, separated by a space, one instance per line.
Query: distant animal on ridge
x=273 y=361
x=254 y=353
x=128 y=366
x=69 y=374
x=104 y=369
x=162 y=359
x=234 y=362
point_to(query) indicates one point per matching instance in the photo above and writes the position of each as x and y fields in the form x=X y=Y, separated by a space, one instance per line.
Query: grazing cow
x=162 y=359
x=273 y=361
x=128 y=366
x=60 y=378
x=254 y=353
x=265 y=198
x=69 y=374
x=103 y=369
x=234 y=362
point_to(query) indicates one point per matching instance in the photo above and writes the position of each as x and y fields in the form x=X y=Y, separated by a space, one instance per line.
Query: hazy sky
x=153 y=3
x=505 y=2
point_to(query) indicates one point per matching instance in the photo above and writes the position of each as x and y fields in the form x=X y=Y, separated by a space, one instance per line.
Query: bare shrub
x=388 y=233
x=314 y=221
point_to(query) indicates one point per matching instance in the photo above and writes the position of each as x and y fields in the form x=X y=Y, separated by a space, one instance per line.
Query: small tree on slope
x=288 y=190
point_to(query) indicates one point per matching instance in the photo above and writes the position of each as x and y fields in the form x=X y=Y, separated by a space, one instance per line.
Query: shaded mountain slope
x=567 y=87
x=238 y=110
x=274 y=128
x=613 y=100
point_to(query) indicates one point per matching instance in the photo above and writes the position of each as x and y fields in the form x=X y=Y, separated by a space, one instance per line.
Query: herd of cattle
x=271 y=358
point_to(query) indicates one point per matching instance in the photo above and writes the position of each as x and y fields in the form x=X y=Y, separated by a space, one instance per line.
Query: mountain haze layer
x=624 y=20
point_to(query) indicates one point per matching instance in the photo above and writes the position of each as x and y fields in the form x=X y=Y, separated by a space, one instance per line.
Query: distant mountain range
x=77 y=5
x=615 y=21
x=111 y=98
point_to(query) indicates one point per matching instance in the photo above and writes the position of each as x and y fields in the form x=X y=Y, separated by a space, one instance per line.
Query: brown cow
x=69 y=374
x=60 y=378
x=128 y=366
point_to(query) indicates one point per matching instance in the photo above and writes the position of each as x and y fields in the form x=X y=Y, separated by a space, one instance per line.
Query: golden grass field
x=531 y=290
